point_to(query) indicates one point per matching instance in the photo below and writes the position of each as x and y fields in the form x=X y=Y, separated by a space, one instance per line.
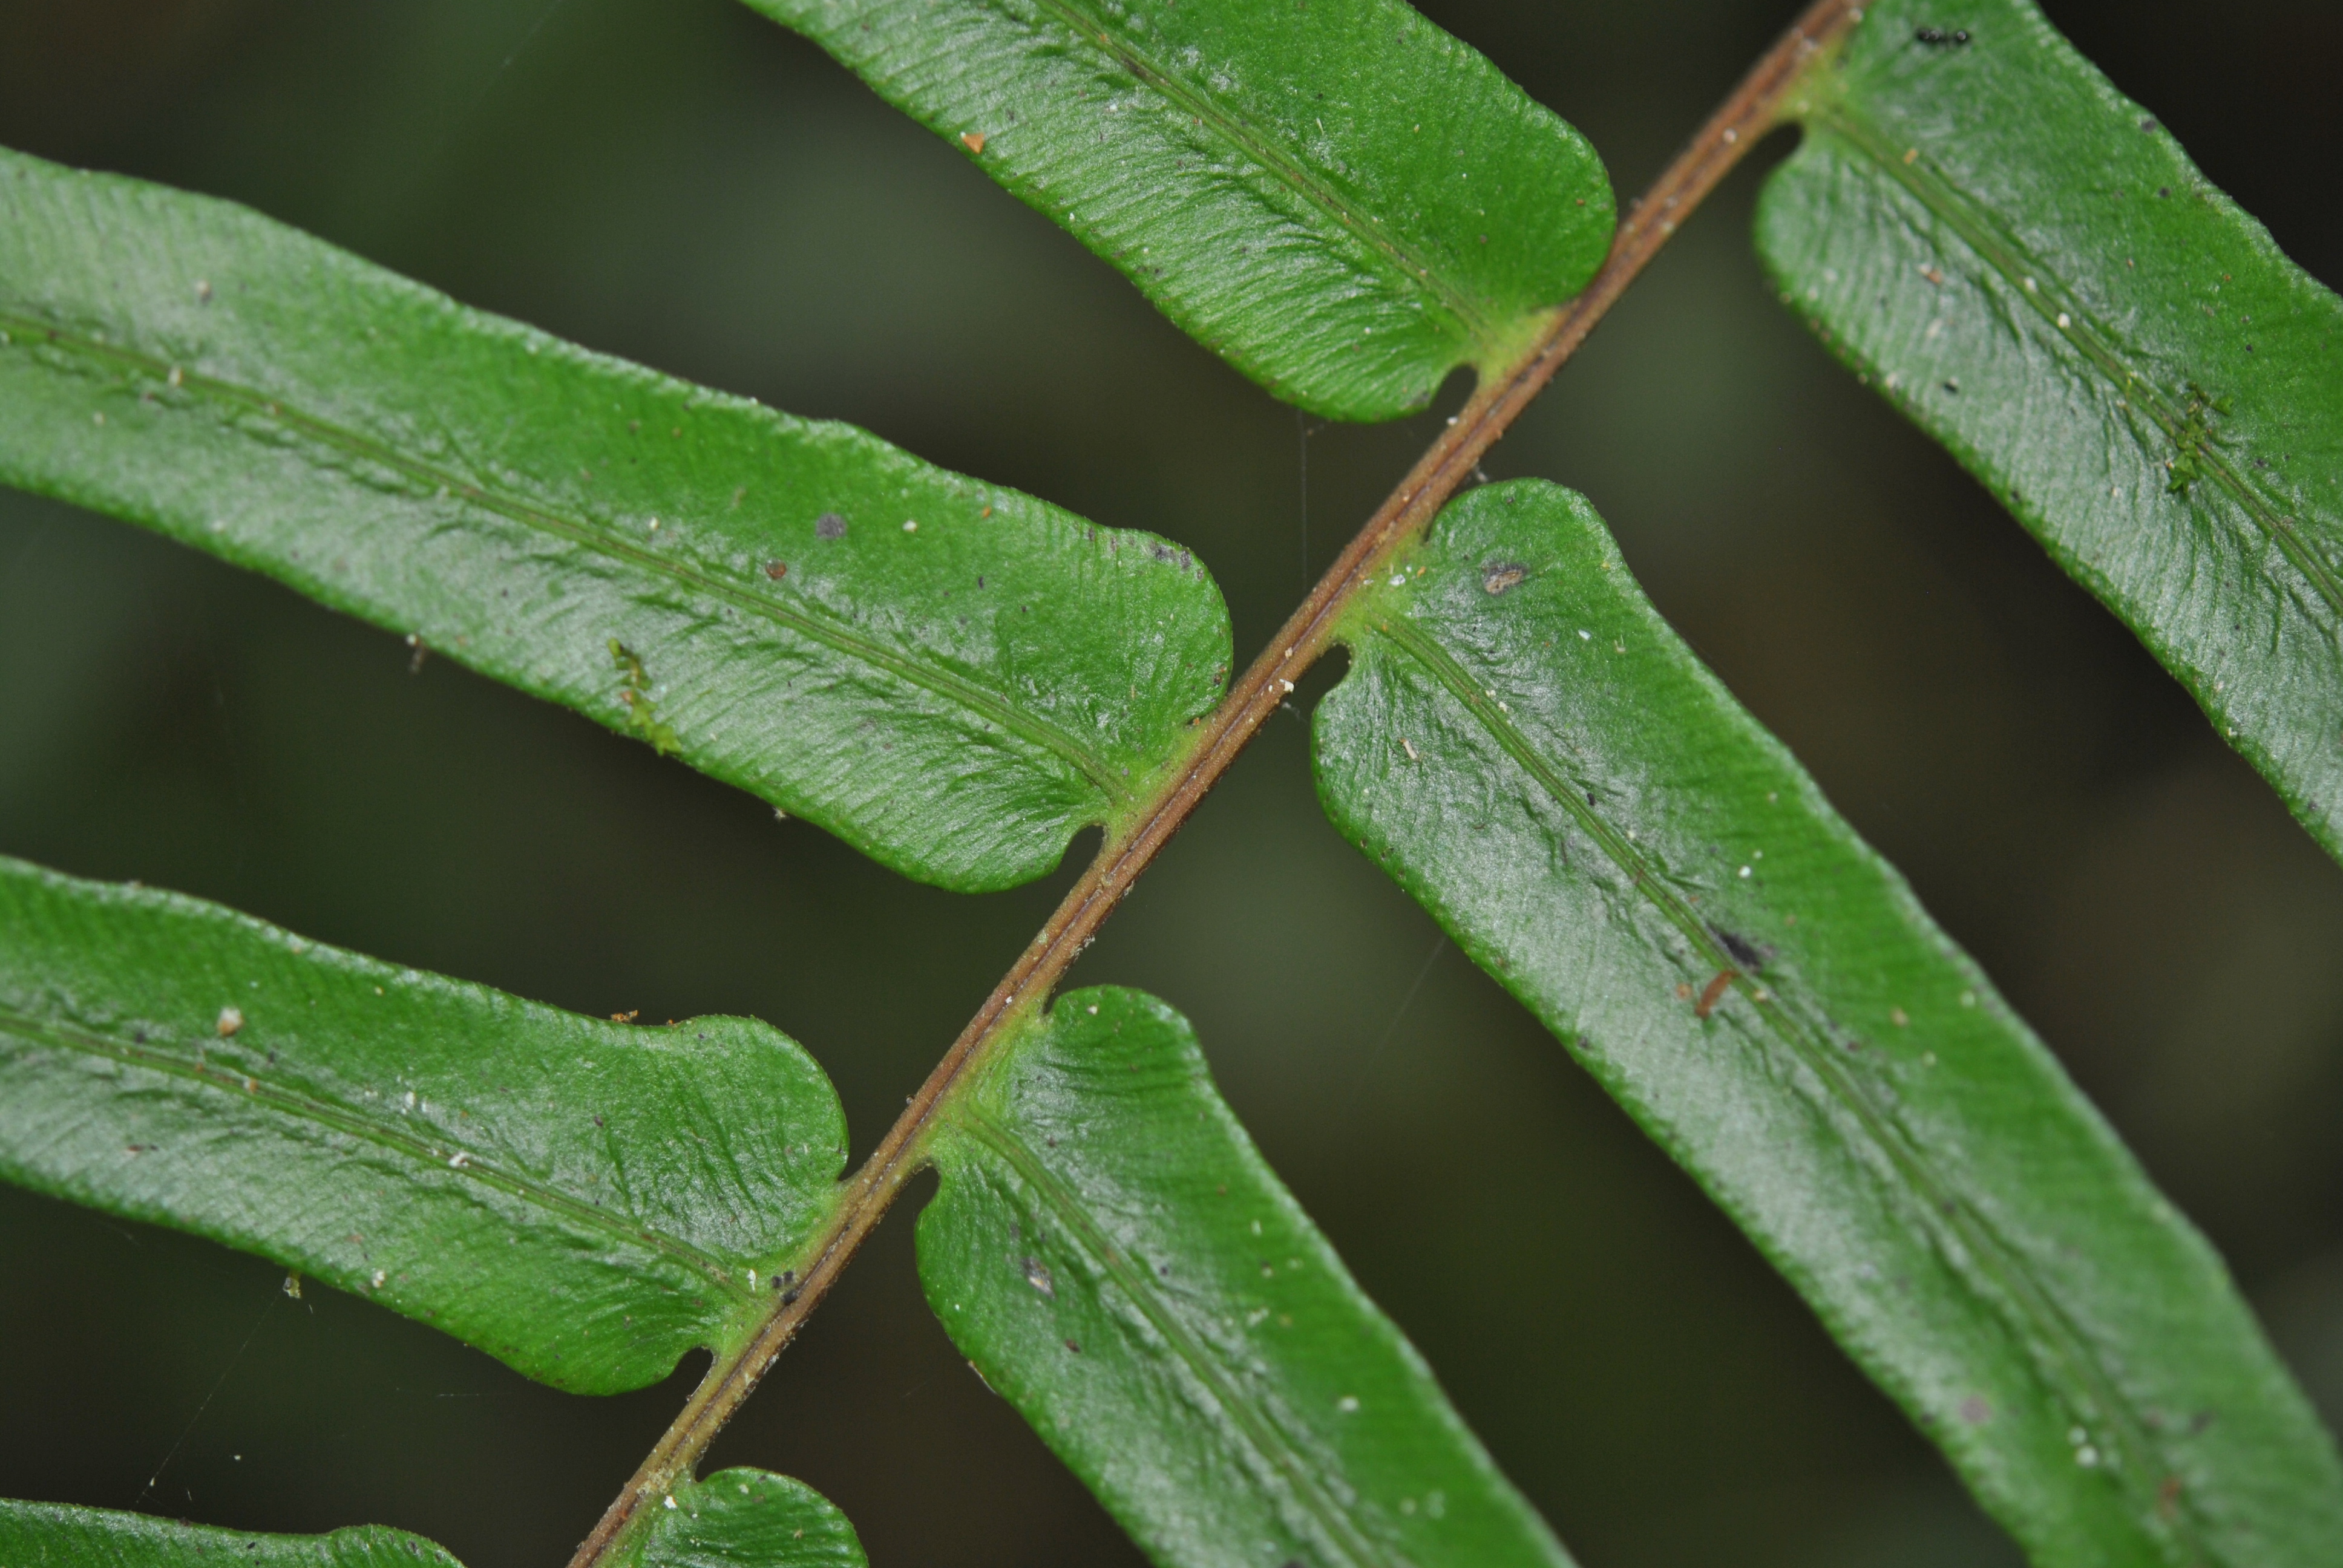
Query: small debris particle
x=829 y=526
x=1039 y=1278
x=1714 y=993
x=2065 y=321
x=1412 y=755
x=293 y=1286
x=1899 y=1017
x=777 y=570
x=1074 y=1347
x=670 y=1500
x=1934 y=275
x=203 y=291
x=627 y=1016
x=1911 y=155
x=1499 y=575
x=1348 y=1405
x=910 y=524
x=1976 y=1411
x=380 y=1276
x=230 y=1021
x=972 y=140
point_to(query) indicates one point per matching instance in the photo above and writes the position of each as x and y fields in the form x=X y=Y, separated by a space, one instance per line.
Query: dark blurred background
x=689 y=186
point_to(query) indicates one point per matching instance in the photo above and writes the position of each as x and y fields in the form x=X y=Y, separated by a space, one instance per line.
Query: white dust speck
x=230 y=1021
x=1744 y=871
x=910 y=524
x=1348 y=1405
x=2065 y=321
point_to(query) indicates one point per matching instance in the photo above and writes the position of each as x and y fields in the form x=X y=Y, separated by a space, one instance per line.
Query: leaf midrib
x=944 y=683
x=1939 y=1198
x=1259 y=1428
x=2091 y=338
x=249 y=1086
x=1468 y=310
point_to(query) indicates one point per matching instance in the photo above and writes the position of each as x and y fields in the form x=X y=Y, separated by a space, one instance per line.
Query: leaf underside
x=2026 y=263
x=1116 y=1260
x=584 y=1201
x=953 y=676
x=1526 y=747
x=734 y=1519
x=1339 y=199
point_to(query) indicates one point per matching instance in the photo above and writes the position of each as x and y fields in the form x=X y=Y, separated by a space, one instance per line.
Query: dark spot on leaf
x=1954 y=387
x=1496 y=576
x=1745 y=952
x=1074 y=1347
x=2149 y=125
x=1975 y=1411
x=829 y=526
x=1938 y=39
x=2164 y=190
x=777 y=570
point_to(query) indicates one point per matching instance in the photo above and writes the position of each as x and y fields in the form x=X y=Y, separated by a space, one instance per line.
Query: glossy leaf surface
x=748 y=1519
x=735 y=1519
x=585 y=1201
x=1532 y=754
x=1118 y=1262
x=2026 y=263
x=951 y=676
x=52 y=1535
x=1339 y=199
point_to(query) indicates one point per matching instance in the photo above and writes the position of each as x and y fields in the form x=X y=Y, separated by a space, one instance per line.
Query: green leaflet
x=2029 y=267
x=735 y=1519
x=1117 y=1260
x=1339 y=199
x=1535 y=756
x=584 y=1201
x=747 y=1519
x=53 y=1535
x=745 y=589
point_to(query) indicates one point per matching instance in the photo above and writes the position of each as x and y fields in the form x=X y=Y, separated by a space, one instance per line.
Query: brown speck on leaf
x=2167 y=1496
x=1074 y=1347
x=972 y=140
x=829 y=526
x=1976 y=1411
x=230 y=1021
x=627 y=1016
x=1934 y=275
x=1714 y=993
x=777 y=570
x=1684 y=992
x=1499 y=575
